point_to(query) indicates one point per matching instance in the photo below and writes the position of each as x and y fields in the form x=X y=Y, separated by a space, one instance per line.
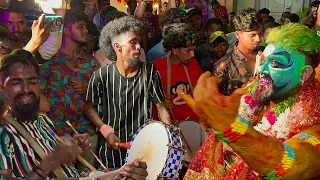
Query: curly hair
x=173 y=15
x=112 y=15
x=180 y=35
x=296 y=37
x=264 y=11
x=247 y=20
x=106 y=10
x=115 y=28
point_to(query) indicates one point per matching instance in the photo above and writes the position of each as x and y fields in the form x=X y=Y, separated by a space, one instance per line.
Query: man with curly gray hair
x=119 y=95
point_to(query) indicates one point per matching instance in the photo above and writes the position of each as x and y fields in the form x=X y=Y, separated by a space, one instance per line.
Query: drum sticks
x=80 y=158
x=184 y=139
x=93 y=154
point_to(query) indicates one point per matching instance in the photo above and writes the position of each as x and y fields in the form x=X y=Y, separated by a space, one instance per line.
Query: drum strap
x=35 y=146
x=169 y=76
x=169 y=87
x=169 y=80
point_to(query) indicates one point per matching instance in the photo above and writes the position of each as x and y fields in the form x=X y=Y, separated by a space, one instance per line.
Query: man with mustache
x=14 y=19
x=179 y=71
x=237 y=67
x=120 y=94
x=65 y=79
x=179 y=41
x=271 y=128
x=18 y=157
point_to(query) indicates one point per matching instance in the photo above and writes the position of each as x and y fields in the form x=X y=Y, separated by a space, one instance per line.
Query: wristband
x=237 y=129
x=105 y=130
x=285 y=164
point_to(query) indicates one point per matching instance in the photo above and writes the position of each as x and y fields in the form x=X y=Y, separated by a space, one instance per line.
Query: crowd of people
x=83 y=89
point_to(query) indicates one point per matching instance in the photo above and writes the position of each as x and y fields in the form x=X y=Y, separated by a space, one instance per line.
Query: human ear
x=307 y=72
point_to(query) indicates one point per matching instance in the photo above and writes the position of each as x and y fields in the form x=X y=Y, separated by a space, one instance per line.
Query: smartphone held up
x=57 y=23
x=47 y=7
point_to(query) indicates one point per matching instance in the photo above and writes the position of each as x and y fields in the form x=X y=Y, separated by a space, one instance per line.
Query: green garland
x=251 y=86
x=279 y=108
x=282 y=106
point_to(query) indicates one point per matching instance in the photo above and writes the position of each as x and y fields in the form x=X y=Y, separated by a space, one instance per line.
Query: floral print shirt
x=56 y=76
x=233 y=71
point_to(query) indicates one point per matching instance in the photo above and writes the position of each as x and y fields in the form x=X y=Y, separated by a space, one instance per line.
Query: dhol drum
x=96 y=173
x=160 y=146
x=193 y=137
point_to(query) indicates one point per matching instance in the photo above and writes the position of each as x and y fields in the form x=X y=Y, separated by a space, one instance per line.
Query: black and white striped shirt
x=120 y=104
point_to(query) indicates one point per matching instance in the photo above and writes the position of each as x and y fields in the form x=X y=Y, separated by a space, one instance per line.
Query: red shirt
x=180 y=81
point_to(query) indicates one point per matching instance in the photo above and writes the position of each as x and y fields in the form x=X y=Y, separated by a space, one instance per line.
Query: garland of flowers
x=252 y=83
x=269 y=122
x=282 y=106
x=278 y=109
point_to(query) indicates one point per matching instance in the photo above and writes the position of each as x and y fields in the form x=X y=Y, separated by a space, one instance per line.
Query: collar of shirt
x=81 y=55
x=237 y=54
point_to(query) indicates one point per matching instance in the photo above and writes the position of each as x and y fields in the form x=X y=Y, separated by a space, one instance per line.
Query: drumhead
x=194 y=135
x=150 y=145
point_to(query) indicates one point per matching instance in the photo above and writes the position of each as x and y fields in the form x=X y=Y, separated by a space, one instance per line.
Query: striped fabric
x=17 y=154
x=120 y=102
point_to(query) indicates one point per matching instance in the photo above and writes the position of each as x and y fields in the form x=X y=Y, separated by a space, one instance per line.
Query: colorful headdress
x=296 y=37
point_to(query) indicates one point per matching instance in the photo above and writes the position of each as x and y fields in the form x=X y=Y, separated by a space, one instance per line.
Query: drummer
x=179 y=70
x=119 y=94
x=20 y=83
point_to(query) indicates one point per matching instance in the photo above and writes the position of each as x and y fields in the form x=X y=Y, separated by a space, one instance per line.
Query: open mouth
x=263 y=86
x=16 y=34
x=25 y=99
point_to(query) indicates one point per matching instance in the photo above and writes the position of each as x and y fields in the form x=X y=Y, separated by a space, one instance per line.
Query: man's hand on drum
x=213 y=107
x=113 y=141
x=83 y=140
x=136 y=170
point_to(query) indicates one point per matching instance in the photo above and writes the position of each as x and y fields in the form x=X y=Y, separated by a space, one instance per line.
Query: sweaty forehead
x=20 y=70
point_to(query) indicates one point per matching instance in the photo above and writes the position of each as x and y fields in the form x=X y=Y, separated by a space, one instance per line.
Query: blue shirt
x=156 y=52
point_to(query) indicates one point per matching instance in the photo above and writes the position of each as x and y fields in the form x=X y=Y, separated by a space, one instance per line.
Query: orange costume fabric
x=216 y=160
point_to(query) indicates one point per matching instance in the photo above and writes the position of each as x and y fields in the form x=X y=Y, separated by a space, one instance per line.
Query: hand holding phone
x=40 y=33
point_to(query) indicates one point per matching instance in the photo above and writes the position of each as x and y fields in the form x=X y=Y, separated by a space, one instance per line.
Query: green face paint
x=284 y=67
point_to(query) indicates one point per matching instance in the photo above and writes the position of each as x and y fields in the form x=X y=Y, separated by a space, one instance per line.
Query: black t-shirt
x=120 y=103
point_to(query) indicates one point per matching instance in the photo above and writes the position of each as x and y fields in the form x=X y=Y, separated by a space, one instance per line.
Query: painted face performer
x=271 y=130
